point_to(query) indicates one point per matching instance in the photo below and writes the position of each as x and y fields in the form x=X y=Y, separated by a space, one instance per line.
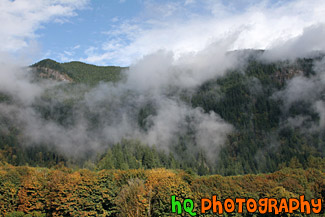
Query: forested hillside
x=84 y=123
x=79 y=72
x=264 y=141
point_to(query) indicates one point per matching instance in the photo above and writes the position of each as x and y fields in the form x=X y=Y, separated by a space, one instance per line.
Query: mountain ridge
x=76 y=71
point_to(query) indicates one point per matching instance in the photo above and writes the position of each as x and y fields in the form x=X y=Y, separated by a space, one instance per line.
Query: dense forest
x=99 y=143
x=247 y=98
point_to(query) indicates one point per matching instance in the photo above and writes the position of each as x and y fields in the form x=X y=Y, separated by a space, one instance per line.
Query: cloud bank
x=189 y=26
x=147 y=106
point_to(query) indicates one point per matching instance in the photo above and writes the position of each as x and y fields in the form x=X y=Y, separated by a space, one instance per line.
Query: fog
x=105 y=114
x=308 y=92
x=156 y=85
x=307 y=44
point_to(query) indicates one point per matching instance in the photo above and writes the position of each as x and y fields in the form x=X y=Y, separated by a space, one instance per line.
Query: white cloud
x=76 y=47
x=181 y=29
x=21 y=18
x=187 y=2
x=311 y=40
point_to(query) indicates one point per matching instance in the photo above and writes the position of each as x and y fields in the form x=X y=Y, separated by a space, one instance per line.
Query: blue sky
x=120 y=32
x=87 y=29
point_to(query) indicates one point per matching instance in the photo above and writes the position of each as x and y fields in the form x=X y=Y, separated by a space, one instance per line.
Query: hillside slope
x=77 y=72
x=271 y=113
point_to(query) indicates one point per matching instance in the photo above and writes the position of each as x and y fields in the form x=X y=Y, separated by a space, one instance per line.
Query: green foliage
x=81 y=72
x=246 y=98
x=91 y=74
x=134 y=155
x=48 y=63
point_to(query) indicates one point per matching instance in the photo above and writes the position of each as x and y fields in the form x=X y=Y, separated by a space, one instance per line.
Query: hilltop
x=77 y=72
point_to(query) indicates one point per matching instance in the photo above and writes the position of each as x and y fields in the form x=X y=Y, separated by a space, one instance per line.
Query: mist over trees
x=246 y=118
x=117 y=141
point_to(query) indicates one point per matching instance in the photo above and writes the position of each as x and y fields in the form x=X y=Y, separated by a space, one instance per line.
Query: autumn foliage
x=30 y=191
